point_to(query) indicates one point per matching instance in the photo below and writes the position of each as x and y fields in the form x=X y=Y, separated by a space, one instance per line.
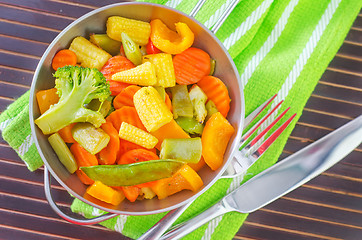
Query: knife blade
x=281 y=178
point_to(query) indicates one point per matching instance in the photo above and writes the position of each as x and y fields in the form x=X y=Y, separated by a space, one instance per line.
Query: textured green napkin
x=278 y=47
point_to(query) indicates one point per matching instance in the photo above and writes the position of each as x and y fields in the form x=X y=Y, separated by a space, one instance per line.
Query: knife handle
x=189 y=226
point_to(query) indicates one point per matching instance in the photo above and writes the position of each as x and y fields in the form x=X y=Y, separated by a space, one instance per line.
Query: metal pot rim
x=32 y=111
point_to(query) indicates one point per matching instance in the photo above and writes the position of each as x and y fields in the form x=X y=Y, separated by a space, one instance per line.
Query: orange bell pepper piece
x=105 y=193
x=184 y=178
x=169 y=41
x=46 y=98
x=197 y=166
x=214 y=139
x=169 y=130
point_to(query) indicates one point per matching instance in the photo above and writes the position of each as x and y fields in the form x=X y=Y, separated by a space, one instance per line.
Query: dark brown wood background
x=328 y=207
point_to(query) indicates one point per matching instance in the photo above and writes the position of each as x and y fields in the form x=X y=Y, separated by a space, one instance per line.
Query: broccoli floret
x=76 y=86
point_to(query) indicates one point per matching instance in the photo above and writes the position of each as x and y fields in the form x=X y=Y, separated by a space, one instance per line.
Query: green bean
x=161 y=91
x=190 y=125
x=212 y=66
x=210 y=108
x=106 y=43
x=186 y=149
x=131 y=49
x=62 y=151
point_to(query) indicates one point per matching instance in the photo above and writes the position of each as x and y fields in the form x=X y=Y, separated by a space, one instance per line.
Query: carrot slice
x=116 y=87
x=126 y=146
x=217 y=92
x=125 y=97
x=131 y=192
x=108 y=155
x=84 y=159
x=125 y=114
x=66 y=133
x=63 y=58
x=116 y=64
x=137 y=155
x=84 y=178
x=191 y=65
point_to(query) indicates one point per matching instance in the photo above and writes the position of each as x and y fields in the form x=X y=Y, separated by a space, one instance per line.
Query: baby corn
x=136 y=135
x=138 y=31
x=88 y=54
x=144 y=75
x=151 y=109
x=165 y=72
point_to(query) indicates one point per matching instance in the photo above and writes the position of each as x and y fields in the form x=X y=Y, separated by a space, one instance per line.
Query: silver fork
x=242 y=160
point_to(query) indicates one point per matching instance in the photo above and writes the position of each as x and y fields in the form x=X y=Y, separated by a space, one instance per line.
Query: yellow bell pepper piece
x=46 y=98
x=215 y=138
x=170 y=41
x=184 y=178
x=105 y=193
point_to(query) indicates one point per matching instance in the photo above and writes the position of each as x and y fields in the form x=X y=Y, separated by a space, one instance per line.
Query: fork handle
x=165 y=223
x=189 y=226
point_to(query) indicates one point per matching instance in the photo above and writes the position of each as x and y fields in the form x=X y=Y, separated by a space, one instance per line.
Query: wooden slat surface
x=328 y=207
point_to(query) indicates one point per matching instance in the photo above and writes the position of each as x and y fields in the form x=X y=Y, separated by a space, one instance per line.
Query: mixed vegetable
x=136 y=112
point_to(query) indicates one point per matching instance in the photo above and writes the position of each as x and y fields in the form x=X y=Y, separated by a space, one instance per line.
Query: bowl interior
x=94 y=22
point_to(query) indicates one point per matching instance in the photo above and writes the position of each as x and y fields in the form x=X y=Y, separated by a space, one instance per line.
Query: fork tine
x=247 y=135
x=260 y=135
x=244 y=159
x=257 y=111
x=266 y=144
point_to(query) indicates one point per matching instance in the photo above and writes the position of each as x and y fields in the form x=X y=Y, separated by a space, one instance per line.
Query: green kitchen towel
x=278 y=46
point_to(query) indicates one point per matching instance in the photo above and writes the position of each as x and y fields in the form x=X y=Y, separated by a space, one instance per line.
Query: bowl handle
x=53 y=205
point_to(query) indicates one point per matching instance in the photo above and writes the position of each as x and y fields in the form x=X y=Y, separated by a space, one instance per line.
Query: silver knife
x=281 y=178
x=165 y=223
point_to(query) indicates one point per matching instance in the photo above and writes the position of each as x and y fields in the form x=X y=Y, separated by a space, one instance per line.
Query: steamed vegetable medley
x=136 y=112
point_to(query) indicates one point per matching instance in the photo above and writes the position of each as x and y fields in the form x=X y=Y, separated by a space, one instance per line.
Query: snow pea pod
x=134 y=173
